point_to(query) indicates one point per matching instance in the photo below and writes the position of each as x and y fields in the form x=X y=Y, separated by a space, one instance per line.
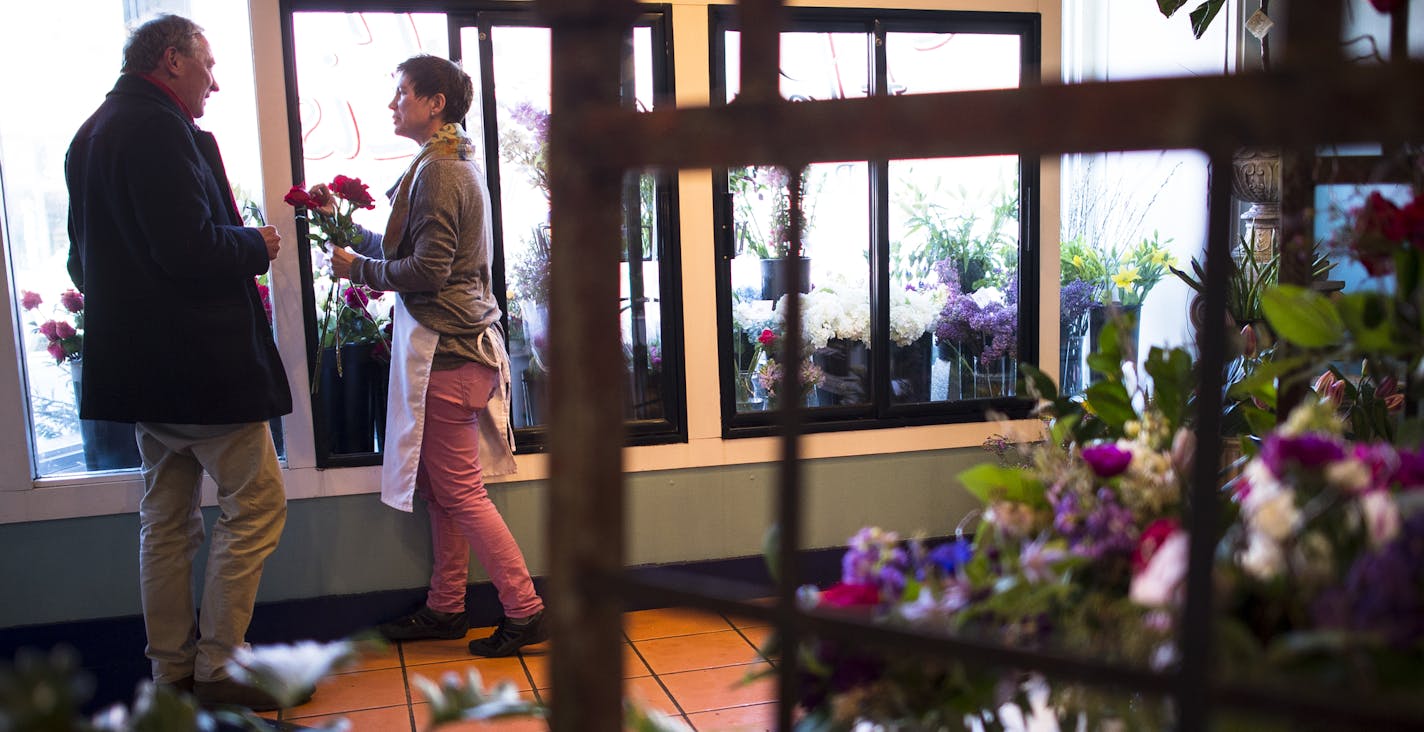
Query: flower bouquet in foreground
x=1079 y=549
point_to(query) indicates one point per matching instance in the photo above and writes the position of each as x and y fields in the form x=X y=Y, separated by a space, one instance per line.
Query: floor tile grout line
x=754 y=646
x=675 y=703
x=405 y=684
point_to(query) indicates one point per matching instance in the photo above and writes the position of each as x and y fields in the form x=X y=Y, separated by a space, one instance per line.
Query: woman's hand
x=341 y=259
x=325 y=202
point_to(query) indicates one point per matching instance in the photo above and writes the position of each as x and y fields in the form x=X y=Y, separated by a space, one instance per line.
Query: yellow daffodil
x=1078 y=261
x=1125 y=277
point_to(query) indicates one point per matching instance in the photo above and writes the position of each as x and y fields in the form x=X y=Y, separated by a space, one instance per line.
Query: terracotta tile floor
x=685 y=663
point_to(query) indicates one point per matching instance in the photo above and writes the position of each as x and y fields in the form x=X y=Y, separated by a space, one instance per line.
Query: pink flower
x=72 y=301
x=844 y=595
x=50 y=329
x=1107 y=459
x=1159 y=583
x=56 y=349
x=30 y=300
x=1151 y=540
x=64 y=330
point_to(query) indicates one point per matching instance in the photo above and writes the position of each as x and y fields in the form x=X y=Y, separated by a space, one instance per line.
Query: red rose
x=767 y=337
x=266 y=294
x=298 y=196
x=56 y=349
x=844 y=595
x=64 y=330
x=1151 y=540
x=30 y=300
x=1412 y=221
x=50 y=330
x=356 y=298
x=353 y=190
x=72 y=301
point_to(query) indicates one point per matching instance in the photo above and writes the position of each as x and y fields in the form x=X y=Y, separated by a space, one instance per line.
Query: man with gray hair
x=178 y=343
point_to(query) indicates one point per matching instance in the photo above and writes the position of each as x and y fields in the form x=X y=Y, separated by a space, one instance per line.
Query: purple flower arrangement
x=1074 y=299
x=983 y=323
x=1080 y=548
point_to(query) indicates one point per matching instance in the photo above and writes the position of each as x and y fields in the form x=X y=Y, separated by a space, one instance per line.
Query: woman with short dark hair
x=447 y=416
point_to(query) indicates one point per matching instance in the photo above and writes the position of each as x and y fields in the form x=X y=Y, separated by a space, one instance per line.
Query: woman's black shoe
x=425 y=624
x=510 y=636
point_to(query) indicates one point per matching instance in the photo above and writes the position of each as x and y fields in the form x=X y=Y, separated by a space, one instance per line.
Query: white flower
x=839 y=308
x=752 y=317
x=986 y=296
x=288 y=671
x=913 y=313
x=1159 y=583
x=1276 y=516
x=1381 y=517
x=1350 y=475
x=1263 y=558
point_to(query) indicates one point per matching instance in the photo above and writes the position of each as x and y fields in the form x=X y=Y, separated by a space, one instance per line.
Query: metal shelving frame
x=1312 y=97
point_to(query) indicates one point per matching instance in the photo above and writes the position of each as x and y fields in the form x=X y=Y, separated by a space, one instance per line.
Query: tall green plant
x=947 y=227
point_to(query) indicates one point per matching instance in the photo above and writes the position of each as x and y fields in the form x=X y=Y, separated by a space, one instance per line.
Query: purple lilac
x=867 y=562
x=962 y=320
x=1104 y=530
x=1074 y=301
x=530 y=116
x=1308 y=451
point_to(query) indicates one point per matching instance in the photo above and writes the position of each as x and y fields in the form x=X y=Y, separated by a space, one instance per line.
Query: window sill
x=119 y=492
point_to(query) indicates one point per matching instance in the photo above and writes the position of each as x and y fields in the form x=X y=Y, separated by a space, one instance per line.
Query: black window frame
x=879 y=412
x=671 y=426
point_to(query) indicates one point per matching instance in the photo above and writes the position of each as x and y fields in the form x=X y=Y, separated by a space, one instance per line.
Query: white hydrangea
x=913 y=313
x=752 y=317
x=838 y=308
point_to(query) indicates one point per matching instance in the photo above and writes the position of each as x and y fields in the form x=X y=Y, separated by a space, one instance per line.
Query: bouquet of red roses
x=345 y=317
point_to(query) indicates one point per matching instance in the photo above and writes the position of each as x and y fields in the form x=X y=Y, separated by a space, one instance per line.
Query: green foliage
x=1118 y=275
x=1201 y=16
x=1302 y=316
x=989 y=482
x=947 y=226
x=753 y=189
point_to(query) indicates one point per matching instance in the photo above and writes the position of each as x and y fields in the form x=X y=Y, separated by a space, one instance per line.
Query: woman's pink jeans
x=462 y=517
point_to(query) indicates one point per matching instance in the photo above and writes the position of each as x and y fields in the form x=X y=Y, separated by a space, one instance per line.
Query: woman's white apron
x=412 y=353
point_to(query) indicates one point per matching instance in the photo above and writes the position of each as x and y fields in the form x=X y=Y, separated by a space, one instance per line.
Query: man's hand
x=272 y=239
x=325 y=203
x=341 y=259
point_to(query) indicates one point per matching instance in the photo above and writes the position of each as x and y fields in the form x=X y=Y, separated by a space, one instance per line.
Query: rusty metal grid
x=1311 y=97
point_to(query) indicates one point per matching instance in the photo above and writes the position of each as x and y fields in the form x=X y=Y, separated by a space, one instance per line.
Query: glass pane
x=954 y=243
x=834 y=269
x=814 y=65
x=834 y=265
x=521 y=76
x=345 y=64
x=927 y=63
x=36 y=199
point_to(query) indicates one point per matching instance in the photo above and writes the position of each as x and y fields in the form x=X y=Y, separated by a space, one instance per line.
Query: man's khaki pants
x=243 y=462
